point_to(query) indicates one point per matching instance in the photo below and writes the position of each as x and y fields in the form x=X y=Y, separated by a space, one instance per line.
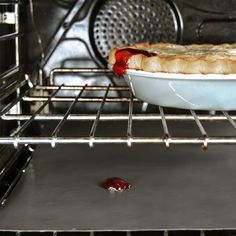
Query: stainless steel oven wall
x=44 y=19
x=208 y=21
x=12 y=68
x=80 y=33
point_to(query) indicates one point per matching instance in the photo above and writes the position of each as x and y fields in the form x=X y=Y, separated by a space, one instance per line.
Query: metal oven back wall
x=208 y=21
x=80 y=33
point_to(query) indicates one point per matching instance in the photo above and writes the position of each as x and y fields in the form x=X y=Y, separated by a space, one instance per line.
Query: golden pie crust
x=185 y=59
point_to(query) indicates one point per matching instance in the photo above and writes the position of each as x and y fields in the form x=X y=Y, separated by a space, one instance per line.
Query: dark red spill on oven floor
x=115 y=184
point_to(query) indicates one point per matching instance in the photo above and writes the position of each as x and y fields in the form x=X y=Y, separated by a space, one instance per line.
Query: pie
x=175 y=58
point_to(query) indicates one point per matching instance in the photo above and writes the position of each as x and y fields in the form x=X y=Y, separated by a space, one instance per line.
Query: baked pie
x=174 y=58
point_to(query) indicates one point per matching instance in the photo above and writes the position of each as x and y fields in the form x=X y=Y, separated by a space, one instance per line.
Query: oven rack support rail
x=11 y=18
x=17 y=138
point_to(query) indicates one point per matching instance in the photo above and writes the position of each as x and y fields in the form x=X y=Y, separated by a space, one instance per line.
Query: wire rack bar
x=9 y=36
x=229 y=118
x=89 y=88
x=161 y=232
x=129 y=128
x=80 y=70
x=201 y=128
x=199 y=124
x=6 y=87
x=95 y=123
x=71 y=99
x=11 y=88
x=9 y=72
x=76 y=70
x=116 y=117
x=17 y=29
x=115 y=140
x=165 y=127
x=63 y=120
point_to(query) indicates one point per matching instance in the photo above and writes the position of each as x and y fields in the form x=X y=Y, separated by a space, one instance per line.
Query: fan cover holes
x=126 y=22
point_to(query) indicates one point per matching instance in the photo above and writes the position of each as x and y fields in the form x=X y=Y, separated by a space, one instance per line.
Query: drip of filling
x=115 y=184
x=123 y=56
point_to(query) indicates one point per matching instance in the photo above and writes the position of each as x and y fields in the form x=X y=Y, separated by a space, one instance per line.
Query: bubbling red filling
x=123 y=57
x=115 y=184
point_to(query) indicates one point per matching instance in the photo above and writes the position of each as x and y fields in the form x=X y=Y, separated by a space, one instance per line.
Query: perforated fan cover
x=126 y=22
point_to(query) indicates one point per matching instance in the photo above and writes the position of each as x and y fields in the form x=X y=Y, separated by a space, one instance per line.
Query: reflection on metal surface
x=39 y=39
x=180 y=96
x=7 y=18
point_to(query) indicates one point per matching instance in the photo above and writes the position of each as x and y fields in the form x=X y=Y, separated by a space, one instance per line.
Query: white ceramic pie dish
x=186 y=91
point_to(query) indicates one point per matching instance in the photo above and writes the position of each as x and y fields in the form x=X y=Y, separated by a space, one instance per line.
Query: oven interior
x=67 y=123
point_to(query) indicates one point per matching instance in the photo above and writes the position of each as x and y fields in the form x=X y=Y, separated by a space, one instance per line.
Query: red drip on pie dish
x=115 y=184
x=123 y=57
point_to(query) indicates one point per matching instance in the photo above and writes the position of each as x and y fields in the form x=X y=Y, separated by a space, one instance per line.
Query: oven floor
x=181 y=188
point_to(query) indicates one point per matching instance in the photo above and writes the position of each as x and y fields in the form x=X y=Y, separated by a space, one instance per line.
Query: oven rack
x=157 y=232
x=24 y=120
